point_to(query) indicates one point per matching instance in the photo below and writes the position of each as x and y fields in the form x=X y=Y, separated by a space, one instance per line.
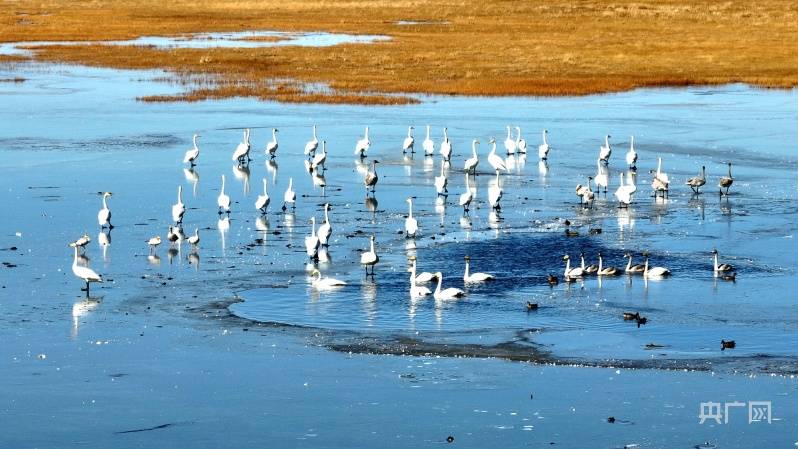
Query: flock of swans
x=315 y=164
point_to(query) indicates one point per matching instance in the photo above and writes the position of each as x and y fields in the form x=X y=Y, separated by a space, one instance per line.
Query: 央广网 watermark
x=758 y=411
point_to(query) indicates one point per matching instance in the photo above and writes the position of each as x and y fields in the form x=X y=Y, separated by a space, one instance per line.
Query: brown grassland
x=468 y=47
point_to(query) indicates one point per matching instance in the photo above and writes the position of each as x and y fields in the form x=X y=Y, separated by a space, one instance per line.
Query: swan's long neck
x=411 y=208
x=518 y=130
x=438 y=287
x=567 y=267
x=265 y=192
x=413 y=276
x=659 y=165
x=703 y=172
x=730 y=171
x=645 y=268
x=607 y=141
x=367 y=133
x=632 y=144
x=179 y=194
x=222 y=185
x=508 y=132
x=629 y=264
x=474 y=148
x=313 y=226
x=445 y=134
x=326 y=215
x=372 y=247
x=427 y=132
x=715 y=261
x=583 y=261
x=195 y=142
x=324 y=147
x=290 y=183
x=497 y=179
x=105 y=202
x=274 y=135
x=466 y=275
x=545 y=142
x=314 y=133
x=410 y=131
x=75 y=260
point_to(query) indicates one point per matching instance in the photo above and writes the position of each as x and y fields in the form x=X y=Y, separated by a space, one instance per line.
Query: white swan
x=271 y=147
x=623 y=194
x=310 y=147
x=193 y=154
x=543 y=149
x=494 y=159
x=469 y=277
x=472 y=162
x=178 y=209
x=633 y=269
x=429 y=145
x=631 y=155
x=509 y=142
x=194 y=239
x=417 y=291
x=423 y=277
x=370 y=258
x=654 y=272
x=441 y=182
x=606 y=150
x=320 y=160
x=495 y=194
x=312 y=241
x=153 y=242
x=719 y=268
x=325 y=230
x=409 y=142
x=571 y=273
x=241 y=153
x=585 y=193
x=467 y=196
x=372 y=177
x=223 y=200
x=262 y=203
x=104 y=215
x=520 y=143
x=606 y=271
x=363 y=144
x=82 y=241
x=87 y=274
x=446 y=145
x=696 y=182
x=602 y=179
x=411 y=224
x=726 y=182
x=449 y=293
x=321 y=283
x=289 y=196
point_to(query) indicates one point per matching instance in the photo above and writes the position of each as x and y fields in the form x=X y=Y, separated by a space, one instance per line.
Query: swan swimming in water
x=104 y=215
x=633 y=269
x=321 y=283
x=411 y=224
x=417 y=291
x=223 y=200
x=449 y=293
x=571 y=273
x=590 y=269
x=409 y=141
x=719 y=268
x=423 y=277
x=654 y=272
x=87 y=274
x=469 y=277
x=193 y=154
x=429 y=145
x=606 y=271
x=271 y=147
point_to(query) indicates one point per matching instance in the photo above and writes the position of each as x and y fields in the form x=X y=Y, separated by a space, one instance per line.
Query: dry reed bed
x=483 y=48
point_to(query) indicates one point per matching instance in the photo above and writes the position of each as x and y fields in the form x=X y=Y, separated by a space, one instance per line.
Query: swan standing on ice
x=320 y=159
x=494 y=159
x=194 y=239
x=467 y=196
x=223 y=200
x=87 y=274
x=631 y=155
x=449 y=293
x=654 y=272
x=429 y=145
x=696 y=182
x=719 y=268
x=602 y=178
x=411 y=224
x=321 y=283
x=262 y=203
x=193 y=154
x=726 y=182
x=371 y=177
x=495 y=194
x=623 y=194
x=543 y=149
x=271 y=147
x=585 y=193
x=471 y=163
x=370 y=258
x=446 y=145
x=363 y=144
x=606 y=271
x=310 y=147
x=289 y=196
x=312 y=241
x=633 y=269
x=409 y=142
x=153 y=243
x=660 y=183
x=441 y=182
x=82 y=241
x=606 y=150
x=520 y=143
x=469 y=277
x=325 y=230
x=509 y=143
x=178 y=209
x=104 y=215
x=241 y=154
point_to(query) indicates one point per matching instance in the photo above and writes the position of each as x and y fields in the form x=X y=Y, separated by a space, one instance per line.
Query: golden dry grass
x=476 y=48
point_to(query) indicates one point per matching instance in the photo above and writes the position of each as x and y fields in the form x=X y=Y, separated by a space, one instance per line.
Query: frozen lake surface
x=158 y=334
